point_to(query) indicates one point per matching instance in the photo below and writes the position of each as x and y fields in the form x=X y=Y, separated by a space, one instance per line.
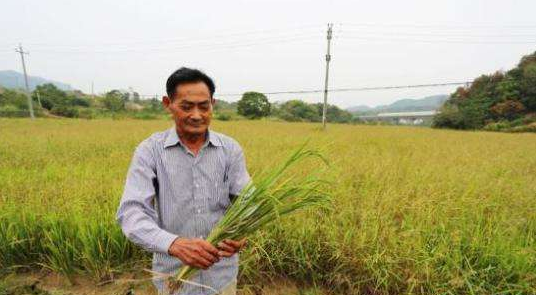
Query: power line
x=427 y=34
x=204 y=47
x=441 y=26
x=436 y=41
x=352 y=89
x=207 y=38
x=212 y=40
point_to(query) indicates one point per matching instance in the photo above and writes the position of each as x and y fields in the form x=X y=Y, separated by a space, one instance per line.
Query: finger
x=188 y=260
x=225 y=247
x=208 y=256
x=232 y=243
x=208 y=247
x=192 y=258
x=203 y=262
x=226 y=253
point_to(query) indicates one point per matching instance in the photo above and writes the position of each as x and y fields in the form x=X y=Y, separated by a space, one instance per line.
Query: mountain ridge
x=428 y=103
x=15 y=80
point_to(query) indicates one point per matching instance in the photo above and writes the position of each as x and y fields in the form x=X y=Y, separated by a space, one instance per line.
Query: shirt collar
x=172 y=138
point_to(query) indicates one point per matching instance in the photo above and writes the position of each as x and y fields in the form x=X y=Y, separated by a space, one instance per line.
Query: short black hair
x=187 y=75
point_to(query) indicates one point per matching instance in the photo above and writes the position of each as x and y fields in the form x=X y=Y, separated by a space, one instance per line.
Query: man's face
x=191 y=108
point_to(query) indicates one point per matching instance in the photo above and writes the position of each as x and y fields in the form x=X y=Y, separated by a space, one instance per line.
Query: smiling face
x=191 y=108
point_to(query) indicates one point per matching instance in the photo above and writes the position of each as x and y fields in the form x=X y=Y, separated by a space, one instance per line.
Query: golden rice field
x=414 y=211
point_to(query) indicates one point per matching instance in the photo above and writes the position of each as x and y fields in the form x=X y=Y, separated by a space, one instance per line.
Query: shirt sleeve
x=136 y=213
x=238 y=173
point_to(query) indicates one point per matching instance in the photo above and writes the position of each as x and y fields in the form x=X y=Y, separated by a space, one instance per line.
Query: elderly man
x=179 y=185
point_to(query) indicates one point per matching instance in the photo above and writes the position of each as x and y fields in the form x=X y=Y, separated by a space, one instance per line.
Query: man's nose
x=196 y=115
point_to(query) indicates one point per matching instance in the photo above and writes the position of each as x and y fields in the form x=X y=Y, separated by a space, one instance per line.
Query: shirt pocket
x=219 y=194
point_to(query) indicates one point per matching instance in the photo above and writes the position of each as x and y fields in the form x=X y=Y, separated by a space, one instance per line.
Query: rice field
x=414 y=210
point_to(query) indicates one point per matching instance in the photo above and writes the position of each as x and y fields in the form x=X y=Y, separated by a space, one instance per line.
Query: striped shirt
x=170 y=192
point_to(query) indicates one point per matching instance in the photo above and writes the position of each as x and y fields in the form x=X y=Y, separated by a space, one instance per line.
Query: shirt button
x=198 y=210
x=196 y=185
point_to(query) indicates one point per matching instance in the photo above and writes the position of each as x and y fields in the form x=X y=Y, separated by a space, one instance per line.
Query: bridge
x=403 y=118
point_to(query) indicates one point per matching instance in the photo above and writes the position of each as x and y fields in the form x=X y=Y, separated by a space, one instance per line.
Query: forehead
x=194 y=91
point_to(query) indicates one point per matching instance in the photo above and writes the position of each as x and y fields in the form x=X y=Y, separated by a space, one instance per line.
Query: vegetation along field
x=415 y=210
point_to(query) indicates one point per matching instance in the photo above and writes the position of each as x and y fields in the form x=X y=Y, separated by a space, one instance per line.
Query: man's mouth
x=195 y=125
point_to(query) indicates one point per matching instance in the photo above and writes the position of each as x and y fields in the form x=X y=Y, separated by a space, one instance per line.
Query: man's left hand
x=229 y=247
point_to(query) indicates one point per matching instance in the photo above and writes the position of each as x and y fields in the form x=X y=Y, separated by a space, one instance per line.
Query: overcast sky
x=269 y=45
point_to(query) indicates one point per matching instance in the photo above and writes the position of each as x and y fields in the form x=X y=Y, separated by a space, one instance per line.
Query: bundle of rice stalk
x=262 y=202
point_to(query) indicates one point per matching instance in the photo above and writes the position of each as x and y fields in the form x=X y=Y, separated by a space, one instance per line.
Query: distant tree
x=114 y=101
x=528 y=86
x=153 y=105
x=449 y=117
x=253 y=105
x=508 y=89
x=79 y=101
x=13 y=99
x=50 y=96
x=509 y=110
x=334 y=114
x=297 y=110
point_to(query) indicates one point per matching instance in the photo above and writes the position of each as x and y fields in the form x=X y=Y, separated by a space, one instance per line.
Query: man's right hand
x=194 y=252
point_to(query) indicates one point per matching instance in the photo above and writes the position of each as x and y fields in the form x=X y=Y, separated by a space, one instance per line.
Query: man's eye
x=186 y=107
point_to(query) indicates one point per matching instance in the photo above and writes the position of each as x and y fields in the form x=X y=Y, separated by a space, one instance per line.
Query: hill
x=13 y=79
x=502 y=101
x=428 y=103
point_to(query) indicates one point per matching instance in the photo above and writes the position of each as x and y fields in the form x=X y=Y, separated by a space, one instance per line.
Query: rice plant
x=263 y=202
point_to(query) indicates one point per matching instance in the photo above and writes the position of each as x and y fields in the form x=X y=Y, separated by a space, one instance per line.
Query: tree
x=499 y=96
x=334 y=114
x=297 y=110
x=509 y=110
x=114 y=101
x=254 y=105
x=449 y=117
x=50 y=96
x=528 y=86
x=14 y=99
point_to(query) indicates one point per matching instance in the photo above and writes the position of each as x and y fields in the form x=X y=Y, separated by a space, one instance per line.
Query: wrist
x=173 y=245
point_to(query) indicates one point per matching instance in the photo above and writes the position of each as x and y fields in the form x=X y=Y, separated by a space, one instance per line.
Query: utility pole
x=22 y=53
x=328 y=59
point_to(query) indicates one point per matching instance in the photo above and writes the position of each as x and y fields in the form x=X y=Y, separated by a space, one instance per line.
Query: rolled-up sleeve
x=136 y=213
x=238 y=173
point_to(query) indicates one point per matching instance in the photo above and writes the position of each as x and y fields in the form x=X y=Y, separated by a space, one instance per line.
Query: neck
x=192 y=141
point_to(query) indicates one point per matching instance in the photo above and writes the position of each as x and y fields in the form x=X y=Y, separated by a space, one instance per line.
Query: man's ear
x=166 y=101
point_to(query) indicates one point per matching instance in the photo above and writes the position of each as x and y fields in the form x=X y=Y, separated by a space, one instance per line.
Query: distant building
x=403 y=118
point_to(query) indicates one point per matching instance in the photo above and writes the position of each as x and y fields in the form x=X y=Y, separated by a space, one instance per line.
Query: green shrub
x=12 y=111
x=498 y=126
x=223 y=117
x=65 y=111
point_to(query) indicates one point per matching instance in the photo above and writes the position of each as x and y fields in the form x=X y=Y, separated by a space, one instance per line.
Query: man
x=179 y=185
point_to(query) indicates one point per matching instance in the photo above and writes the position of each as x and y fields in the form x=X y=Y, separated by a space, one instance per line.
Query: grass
x=415 y=210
